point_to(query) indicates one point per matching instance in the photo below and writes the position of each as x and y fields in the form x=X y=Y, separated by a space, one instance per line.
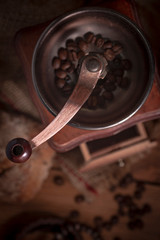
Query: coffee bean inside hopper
x=66 y=67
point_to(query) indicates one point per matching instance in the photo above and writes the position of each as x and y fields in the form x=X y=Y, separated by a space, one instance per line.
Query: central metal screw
x=93 y=65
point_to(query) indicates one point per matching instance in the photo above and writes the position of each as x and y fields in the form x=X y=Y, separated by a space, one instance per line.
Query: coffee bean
x=80 y=54
x=74 y=56
x=126 y=64
x=71 y=45
x=108 y=95
x=67 y=90
x=79 y=198
x=118 y=72
x=109 y=86
x=93 y=40
x=124 y=82
x=107 y=226
x=60 y=82
x=58 y=180
x=139 y=223
x=98 y=221
x=71 y=69
x=138 y=194
x=56 y=63
x=117 y=48
x=131 y=225
x=110 y=78
x=117 y=238
x=92 y=102
x=101 y=101
x=65 y=65
x=88 y=37
x=107 y=45
x=114 y=219
x=140 y=186
x=83 y=45
x=99 y=42
x=146 y=208
x=109 y=54
x=74 y=214
x=63 y=53
x=77 y=227
x=61 y=73
x=119 y=198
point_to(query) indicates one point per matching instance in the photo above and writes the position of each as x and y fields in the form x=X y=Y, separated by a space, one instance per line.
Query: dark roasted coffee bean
x=121 y=211
x=107 y=45
x=119 y=198
x=71 y=69
x=124 y=82
x=101 y=101
x=109 y=86
x=117 y=48
x=118 y=80
x=138 y=194
x=140 y=186
x=126 y=64
x=79 y=198
x=60 y=82
x=108 y=95
x=58 y=180
x=77 y=227
x=88 y=37
x=74 y=56
x=118 y=72
x=67 y=90
x=128 y=178
x=114 y=219
x=93 y=40
x=99 y=42
x=80 y=54
x=107 y=226
x=56 y=63
x=71 y=45
x=98 y=221
x=61 y=73
x=117 y=238
x=83 y=45
x=65 y=65
x=110 y=78
x=74 y=214
x=96 y=90
x=146 y=208
x=63 y=53
x=92 y=102
x=138 y=223
x=109 y=54
x=131 y=225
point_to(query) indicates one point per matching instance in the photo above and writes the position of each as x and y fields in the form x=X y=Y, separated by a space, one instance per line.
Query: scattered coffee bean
x=146 y=208
x=79 y=198
x=71 y=45
x=114 y=219
x=58 y=180
x=98 y=221
x=109 y=86
x=74 y=214
x=107 y=226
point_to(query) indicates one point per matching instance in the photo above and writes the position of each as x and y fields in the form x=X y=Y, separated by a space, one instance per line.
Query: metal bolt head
x=93 y=64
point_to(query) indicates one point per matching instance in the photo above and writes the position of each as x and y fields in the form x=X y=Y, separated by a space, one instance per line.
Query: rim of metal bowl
x=139 y=103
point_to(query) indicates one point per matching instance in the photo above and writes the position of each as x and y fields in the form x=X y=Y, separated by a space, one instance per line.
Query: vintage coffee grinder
x=93 y=69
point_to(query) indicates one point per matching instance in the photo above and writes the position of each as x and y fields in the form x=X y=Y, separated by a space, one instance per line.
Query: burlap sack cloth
x=18 y=116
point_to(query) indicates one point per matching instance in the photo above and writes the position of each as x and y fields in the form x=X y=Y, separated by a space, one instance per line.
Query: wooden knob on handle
x=18 y=150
